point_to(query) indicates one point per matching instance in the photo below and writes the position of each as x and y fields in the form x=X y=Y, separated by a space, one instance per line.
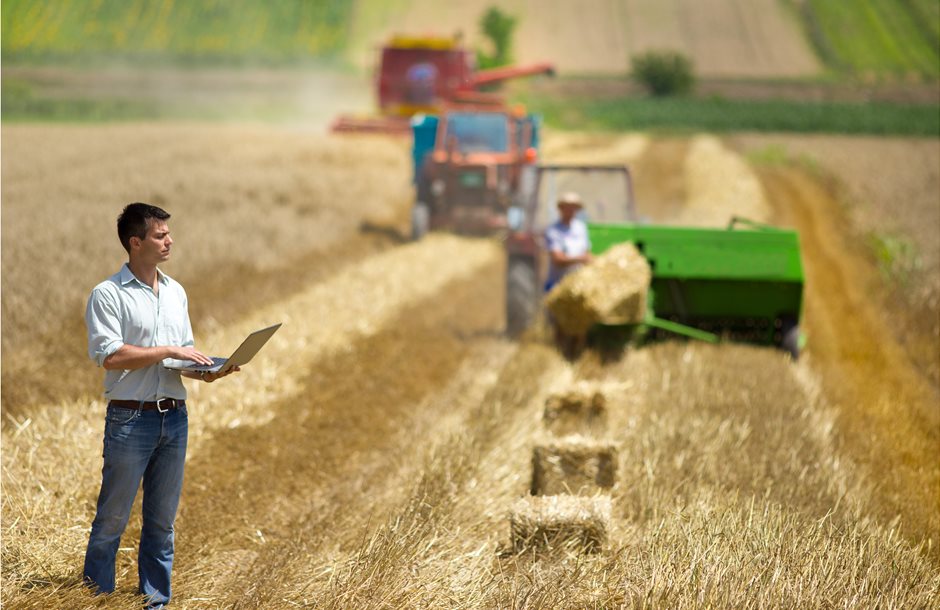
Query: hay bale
x=573 y=465
x=611 y=289
x=545 y=522
x=580 y=409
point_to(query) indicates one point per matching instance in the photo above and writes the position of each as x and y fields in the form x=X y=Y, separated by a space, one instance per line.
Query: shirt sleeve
x=188 y=339
x=553 y=240
x=102 y=317
x=587 y=238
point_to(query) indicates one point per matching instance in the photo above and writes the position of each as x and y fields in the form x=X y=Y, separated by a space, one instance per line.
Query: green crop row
x=927 y=14
x=876 y=38
x=210 y=30
x=723 y=115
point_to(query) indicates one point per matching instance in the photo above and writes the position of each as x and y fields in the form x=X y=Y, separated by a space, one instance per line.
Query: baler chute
x=717 y=284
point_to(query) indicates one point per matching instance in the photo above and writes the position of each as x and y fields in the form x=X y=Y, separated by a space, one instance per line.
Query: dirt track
x=376 y=470
x=867 y=372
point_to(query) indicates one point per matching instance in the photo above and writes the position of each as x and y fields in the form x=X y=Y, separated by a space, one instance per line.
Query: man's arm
x=132 y=357
x=561 y=259
x=555 y=244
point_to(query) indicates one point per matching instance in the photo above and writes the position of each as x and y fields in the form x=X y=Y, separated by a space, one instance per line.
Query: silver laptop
x=245 y=352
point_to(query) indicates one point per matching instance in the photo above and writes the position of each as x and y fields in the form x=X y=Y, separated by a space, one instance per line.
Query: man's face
x=567 y=211
x=155 y=247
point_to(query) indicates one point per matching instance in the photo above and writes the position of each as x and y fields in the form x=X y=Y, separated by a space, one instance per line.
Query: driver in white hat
x=567 y=240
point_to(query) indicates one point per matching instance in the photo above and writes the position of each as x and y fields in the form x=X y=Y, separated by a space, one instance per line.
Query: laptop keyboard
x=208 y=367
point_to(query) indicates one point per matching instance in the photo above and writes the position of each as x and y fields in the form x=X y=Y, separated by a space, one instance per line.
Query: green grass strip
x=722 y=115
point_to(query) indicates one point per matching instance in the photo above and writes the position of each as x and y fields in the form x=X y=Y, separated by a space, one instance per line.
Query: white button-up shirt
x=570 y=240
x=123 y=310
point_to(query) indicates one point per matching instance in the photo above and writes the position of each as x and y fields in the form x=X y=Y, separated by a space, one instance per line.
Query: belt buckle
x=159 y=410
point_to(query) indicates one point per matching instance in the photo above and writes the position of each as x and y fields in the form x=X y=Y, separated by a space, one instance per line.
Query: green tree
x=498 y=28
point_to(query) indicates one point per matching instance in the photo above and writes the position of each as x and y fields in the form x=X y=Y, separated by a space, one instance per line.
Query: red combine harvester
x=422 y=75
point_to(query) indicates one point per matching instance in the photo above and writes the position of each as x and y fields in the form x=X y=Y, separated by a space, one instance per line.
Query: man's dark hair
x=135 y=219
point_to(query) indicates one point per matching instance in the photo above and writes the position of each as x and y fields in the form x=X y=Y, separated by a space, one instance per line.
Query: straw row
x=572 y=474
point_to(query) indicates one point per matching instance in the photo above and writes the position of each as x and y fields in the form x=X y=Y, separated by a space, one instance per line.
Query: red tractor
x=423 y=74
x=468 y=168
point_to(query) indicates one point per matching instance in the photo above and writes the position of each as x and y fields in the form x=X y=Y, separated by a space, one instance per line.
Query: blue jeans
x=146 y=445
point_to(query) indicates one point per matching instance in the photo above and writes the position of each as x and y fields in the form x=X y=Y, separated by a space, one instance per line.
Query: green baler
x=745 y=284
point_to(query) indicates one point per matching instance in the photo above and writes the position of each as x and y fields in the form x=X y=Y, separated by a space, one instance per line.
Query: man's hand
x=190 y=353
x=210 y=377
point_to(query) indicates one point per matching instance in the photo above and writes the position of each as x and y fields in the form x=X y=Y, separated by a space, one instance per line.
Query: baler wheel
x=790 y=342
x=521 y=296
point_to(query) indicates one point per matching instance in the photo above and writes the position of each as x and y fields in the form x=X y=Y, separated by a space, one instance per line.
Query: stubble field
x=370 y=456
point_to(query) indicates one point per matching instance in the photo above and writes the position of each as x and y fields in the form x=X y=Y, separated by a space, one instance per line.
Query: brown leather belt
x=162 y=405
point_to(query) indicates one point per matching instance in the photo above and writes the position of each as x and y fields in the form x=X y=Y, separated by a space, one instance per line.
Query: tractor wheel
x=790 y=342
x=522 y=296
x=420 y=220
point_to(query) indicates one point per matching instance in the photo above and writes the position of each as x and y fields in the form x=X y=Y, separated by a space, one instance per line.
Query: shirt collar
x=127 y=276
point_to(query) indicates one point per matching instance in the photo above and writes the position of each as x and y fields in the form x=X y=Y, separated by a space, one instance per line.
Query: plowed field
x=370 y=456
x=755 y=38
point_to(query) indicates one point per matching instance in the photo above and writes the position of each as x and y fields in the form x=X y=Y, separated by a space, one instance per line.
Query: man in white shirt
x=567 y=240
x=569 y=247
x=136 y=319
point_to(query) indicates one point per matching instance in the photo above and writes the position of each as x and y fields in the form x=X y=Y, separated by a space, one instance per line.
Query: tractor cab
x=607 y=194
x=469 y=133
x=468 y=165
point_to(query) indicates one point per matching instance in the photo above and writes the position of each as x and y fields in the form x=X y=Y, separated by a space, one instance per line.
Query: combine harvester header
x=425 y=74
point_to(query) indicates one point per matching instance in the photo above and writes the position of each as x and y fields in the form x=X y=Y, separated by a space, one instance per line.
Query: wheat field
x=371 y=456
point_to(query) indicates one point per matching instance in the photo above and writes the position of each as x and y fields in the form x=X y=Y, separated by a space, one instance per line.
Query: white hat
x=570 y=198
